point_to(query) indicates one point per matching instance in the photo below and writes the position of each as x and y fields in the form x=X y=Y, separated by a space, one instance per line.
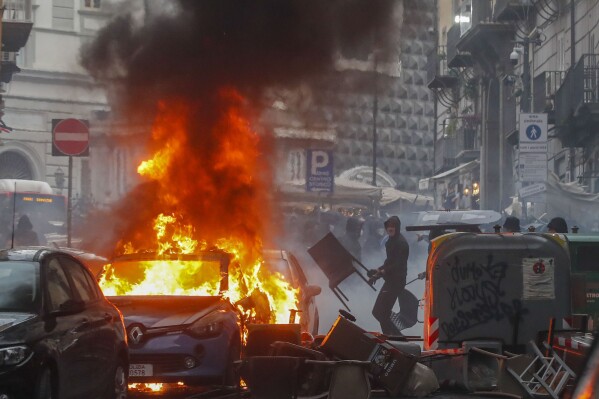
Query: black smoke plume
x=188 y=51
x=250 y=45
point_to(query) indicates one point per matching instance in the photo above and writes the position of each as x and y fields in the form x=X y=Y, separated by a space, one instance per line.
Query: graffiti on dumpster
x=477 y=296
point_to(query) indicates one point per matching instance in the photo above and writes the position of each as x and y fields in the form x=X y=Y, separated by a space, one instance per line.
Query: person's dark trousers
x=383 y=305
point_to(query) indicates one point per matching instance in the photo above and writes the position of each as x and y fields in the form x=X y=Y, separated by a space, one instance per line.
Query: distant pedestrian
x=432 y=234
x=351 y=239
x=557 y=225
x=511 y=225
x=24 y=234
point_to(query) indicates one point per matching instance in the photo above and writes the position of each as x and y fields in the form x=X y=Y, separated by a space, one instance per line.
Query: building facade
x=51 y=85
x=385 y=118
x=495 y=61
x=376 y=113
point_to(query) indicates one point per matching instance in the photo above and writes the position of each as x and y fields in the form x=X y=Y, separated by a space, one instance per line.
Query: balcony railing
x=16 y=24
x=458 y=147
x=580 y=88
x=455 y=58
x=546 y=85
x=511 y=10
x=17 y=11
x=438 y=74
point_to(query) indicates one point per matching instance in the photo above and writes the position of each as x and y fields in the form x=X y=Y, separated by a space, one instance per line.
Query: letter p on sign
x=319 y=171
x=320 y=159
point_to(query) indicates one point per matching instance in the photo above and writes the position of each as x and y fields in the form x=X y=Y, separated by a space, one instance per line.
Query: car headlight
x=14 y=355
x=208 y=326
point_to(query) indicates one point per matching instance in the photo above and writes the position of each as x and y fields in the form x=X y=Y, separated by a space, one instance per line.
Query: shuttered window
x=63 y=12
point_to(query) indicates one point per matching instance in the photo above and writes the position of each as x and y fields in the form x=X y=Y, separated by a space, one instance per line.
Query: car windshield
x=19 y=286
x=278 y=264
x=161 y=277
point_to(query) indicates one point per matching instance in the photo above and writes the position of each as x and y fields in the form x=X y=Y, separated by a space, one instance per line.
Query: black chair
x=276 y=377
x=336 y=263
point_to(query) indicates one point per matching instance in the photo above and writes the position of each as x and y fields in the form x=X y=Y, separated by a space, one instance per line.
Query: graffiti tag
x=477 y=296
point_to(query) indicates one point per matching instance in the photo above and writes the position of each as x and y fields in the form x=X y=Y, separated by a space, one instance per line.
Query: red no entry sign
x=70 y=137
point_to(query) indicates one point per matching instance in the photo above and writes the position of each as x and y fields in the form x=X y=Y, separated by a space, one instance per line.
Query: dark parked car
x=180 y=341
x=59 y=336
x=287 y=264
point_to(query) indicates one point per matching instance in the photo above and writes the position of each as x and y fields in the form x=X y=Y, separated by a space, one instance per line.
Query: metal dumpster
x=494 y=286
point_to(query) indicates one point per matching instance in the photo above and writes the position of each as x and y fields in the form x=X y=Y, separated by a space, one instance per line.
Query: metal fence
x=546 y=85
x=580 y=86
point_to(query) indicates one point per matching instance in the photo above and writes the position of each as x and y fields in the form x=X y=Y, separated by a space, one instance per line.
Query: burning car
x=286 y=263
x=189 y=337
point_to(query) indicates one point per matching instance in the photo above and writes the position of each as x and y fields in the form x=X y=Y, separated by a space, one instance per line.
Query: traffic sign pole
x=70 y=137
x=69 y=205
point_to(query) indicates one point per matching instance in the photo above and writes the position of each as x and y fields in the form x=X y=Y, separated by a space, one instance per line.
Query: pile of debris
x=350 y=362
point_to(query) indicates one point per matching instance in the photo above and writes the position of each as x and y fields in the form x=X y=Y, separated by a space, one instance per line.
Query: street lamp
x=59 y=178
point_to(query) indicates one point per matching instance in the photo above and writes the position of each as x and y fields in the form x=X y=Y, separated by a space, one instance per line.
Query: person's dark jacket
x=24 y=234
x=397 y=248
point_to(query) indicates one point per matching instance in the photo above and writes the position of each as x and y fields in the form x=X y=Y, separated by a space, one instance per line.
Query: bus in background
x=36 y=199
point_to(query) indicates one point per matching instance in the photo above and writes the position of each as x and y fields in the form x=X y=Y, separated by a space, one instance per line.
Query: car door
x=97 y=333
x=66 y=330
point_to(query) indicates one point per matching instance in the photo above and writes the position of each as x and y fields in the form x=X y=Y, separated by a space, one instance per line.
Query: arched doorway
x=15 y=166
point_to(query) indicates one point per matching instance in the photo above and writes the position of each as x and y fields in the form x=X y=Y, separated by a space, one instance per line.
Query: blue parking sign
x=319 y=173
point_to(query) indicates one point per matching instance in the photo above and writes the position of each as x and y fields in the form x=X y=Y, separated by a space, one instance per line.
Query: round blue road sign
x=533 y=132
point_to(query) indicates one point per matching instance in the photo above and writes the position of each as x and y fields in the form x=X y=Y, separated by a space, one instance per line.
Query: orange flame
x=212 y=194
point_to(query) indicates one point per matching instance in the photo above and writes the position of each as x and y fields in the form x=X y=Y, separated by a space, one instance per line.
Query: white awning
x=352 y=191
x=467 y=167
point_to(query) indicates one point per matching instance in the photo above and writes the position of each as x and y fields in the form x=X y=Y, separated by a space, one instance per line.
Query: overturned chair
x=337 y=264
x=277 y=377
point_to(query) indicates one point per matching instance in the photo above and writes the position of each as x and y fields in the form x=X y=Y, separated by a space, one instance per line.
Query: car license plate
x=141 y=370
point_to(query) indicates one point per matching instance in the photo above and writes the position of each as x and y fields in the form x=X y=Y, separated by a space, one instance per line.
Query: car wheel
x=231 y=377
x=118 y=386
x=44 y=389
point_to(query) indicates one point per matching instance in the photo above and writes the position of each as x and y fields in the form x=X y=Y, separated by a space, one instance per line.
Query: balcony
x=546 y=85
x=577 y=103
x=488 y=42
x=16 y=24
x=455 y=58
x=438 y=74
x=454 y=149
x=511 y=10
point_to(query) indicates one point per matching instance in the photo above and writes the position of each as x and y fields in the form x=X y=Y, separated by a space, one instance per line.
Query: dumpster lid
x=453 y=219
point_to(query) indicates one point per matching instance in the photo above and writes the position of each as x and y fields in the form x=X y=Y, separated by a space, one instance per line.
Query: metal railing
x=17 y=11
x=580 y=86
x=453 y=36
x=436 y=64
x=546 y=85
x=511 y=9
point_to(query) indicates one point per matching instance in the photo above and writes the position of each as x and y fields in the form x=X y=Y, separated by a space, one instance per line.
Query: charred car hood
x=165 y=311
x=8 y=320
x=16 y=327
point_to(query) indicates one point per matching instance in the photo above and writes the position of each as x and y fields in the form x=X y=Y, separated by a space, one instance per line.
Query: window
x=94 y=284
x=59 y=289
x=81 y=282
x=19 y=286
x=92 y=4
